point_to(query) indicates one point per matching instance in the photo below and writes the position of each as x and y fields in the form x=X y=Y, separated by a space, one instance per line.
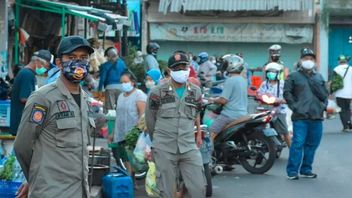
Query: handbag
x=337 y=81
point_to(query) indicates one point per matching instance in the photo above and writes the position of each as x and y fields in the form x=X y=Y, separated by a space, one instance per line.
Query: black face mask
x=275 y=58
x=75 y=71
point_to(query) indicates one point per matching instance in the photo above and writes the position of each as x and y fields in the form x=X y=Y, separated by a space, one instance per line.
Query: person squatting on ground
x=52 y=139
x=172 y=110
x=307 y=97
x=275 y=87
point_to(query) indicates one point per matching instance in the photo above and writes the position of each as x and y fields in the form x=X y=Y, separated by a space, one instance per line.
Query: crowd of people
x=53 y=124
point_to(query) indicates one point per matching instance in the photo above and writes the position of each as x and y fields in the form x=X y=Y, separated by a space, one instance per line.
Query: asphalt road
x=333 y=165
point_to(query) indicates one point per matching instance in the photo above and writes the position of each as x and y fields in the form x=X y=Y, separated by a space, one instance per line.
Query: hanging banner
x=263 y=33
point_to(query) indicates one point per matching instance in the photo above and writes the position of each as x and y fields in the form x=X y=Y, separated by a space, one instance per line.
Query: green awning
x=62 y=9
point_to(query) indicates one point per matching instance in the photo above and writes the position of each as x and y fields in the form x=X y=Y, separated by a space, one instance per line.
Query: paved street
x=333 y=166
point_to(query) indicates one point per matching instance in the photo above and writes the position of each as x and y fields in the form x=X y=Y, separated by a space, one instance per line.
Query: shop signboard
x=263 y=33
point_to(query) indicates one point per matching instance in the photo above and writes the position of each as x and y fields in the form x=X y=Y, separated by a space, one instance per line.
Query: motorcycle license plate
x=269 y=132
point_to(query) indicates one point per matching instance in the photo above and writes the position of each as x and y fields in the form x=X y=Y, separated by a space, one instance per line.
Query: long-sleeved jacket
x=207 y=71
x=304 y=102
x=170 y=120
x=51 y=144
x=110 y=73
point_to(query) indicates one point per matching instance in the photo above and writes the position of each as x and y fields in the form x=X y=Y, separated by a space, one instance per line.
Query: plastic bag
x=136 y=165
x=150 y=182
x=332 y=107
x=143 y=145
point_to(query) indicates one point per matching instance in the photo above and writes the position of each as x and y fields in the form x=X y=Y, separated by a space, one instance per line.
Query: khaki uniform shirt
x=51 y=144
x=171 y=120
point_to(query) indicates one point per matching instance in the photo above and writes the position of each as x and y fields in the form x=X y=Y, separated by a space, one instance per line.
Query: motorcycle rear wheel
x=262 y=152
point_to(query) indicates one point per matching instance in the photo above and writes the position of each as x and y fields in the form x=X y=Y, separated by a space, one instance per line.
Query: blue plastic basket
x=4 y=113
x=8 y=189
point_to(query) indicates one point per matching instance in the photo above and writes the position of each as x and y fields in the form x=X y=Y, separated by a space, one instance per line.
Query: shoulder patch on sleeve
x=38 y=114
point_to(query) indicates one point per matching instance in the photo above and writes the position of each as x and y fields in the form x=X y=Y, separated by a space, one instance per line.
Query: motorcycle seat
x=238 y=121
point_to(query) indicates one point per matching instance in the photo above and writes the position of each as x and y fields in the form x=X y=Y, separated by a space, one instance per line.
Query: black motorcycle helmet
x=177 y=59
x=152 y=48
x=307 y=52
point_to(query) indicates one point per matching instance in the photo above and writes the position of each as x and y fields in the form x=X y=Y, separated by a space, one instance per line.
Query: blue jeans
x=306 y=139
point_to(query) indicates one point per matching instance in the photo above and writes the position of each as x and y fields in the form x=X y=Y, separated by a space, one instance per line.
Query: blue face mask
x=127 y=87
x=271 y=75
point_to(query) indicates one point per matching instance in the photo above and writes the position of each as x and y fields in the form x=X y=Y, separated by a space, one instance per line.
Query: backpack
x=337 y=81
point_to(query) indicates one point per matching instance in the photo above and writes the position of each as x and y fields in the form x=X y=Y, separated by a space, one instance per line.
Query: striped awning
x=233 y=5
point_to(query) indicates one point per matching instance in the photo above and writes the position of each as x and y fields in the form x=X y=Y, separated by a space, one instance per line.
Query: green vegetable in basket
x=7 y=172
x=132 y=137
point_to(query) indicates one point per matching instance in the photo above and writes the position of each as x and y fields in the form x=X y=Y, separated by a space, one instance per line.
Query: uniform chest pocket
x=191 y=110
x=168 y=110
x=68 y=134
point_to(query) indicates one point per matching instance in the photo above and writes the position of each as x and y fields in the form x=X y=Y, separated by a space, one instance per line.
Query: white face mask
x=127 y=87
x=308 y=64
x=180 y=76
x=149 y=84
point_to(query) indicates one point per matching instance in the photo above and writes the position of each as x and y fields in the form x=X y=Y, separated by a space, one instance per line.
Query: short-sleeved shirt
x=235 y=92
x=23 y=86
x=127 y=113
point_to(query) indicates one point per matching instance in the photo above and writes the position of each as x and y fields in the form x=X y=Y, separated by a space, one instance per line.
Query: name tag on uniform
x=66 y=114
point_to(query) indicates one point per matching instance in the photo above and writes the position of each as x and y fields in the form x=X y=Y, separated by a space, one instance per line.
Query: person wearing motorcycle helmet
x=274 y=56
x=173 y=109
x=234 y=96
x=207 y=70
x=275 y=53
x=274 y=87
x=150 y=61
x=307 y=96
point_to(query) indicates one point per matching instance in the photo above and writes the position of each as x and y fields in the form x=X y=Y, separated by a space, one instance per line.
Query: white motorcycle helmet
x=273 y=70
x=235 y=63
x=275 y=49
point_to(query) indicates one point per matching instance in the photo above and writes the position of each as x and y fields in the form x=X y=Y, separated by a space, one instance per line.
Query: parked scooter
x=247 y=141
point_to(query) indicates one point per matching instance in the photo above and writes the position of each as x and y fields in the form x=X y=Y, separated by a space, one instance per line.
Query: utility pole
x=124 y=31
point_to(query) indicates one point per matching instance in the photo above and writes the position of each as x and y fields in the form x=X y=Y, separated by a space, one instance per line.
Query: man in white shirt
x=344 y=95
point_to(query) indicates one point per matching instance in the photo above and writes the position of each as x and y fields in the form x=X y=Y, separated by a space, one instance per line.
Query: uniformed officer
x=52 y=139
x=172 y=110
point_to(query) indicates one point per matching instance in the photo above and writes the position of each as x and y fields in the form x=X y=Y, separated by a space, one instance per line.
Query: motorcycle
x=247 y=141
x=269 y=103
